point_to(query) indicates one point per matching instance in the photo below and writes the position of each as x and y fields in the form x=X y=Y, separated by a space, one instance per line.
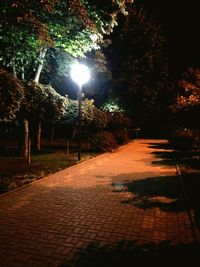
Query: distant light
x=80 y=73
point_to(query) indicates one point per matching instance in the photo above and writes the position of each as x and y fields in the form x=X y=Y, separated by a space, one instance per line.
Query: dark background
x=180 y=22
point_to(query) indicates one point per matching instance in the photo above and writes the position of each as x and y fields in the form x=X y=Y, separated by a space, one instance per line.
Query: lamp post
x=80 y=74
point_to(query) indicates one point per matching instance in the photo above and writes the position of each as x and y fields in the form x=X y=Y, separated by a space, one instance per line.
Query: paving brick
x=77 y=213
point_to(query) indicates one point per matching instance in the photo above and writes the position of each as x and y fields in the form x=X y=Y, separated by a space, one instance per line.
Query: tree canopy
x=186 y=102
x=11 y=96
x=31 y=28
x=138 y=63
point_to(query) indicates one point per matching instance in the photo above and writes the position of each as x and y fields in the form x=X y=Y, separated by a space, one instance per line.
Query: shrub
x=11 y=96
x=118 y=121
x=121 y=137
x=103 y=141
x=183 y=139
x=100 y=119
x=197 y=139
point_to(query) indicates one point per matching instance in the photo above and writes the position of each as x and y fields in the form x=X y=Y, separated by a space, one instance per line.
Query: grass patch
x=14 y=171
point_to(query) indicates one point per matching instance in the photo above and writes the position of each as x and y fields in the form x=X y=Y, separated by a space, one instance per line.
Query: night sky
x=180 y=22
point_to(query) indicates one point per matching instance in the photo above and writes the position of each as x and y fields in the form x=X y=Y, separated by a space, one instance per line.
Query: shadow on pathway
x=163 y=192
x=132 y=253
x=106 y=220
x=189 y=164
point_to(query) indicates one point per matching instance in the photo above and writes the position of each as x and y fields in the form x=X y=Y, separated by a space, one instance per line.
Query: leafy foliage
x=103 y=141
x=101 y=77
x=140 y=71
x=121 y=136
x=42 y=102
x=71 y=114
x=188 y=94
x=113 y=105
x=186 y=107
x=92 y=119
x=100 y=119
x=118 y=121
x=183 y=139
x=55 y=105
x=71 y=27
x=11 y=96
x=23 y=33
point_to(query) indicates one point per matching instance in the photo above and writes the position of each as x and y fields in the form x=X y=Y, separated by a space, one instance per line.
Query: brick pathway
x=112 y=210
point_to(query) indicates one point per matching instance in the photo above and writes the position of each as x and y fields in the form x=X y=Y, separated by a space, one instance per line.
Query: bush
x=103 y=141
x=121 y=137
x=11 y=96
x=197 y=139
x=134 y=133
x=118 y=121
x=183 y=139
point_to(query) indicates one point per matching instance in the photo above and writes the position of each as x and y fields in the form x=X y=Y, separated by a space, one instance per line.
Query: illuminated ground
x=113 y=210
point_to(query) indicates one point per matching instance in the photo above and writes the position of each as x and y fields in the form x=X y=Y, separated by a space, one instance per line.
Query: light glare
x=80 y=73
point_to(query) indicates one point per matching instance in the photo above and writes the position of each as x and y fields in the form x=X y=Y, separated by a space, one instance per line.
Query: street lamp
x=80 y=74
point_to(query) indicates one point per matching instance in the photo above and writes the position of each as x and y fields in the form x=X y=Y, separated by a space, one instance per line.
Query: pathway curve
x=108 y=211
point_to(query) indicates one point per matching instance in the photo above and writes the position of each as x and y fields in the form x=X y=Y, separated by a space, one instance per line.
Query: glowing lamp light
x=80 y=73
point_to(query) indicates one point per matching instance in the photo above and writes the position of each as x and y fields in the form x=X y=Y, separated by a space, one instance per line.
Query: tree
x=71 y=114
x=139 y=67
x=23 y=35
x=41 y=104
x=33 y=28
x=112 y=105
x=99 y=121
x=186 y=106
x=101 y=77
x=36 y=30
x=11 y=96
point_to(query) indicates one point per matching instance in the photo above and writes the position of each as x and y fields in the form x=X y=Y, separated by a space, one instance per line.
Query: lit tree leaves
x=188 y=90
x=42 y=103
x=72 y=112
x=11 y=96
x=75 y=27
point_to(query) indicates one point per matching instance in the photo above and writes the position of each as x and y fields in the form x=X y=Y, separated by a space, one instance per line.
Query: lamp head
x=80 y=73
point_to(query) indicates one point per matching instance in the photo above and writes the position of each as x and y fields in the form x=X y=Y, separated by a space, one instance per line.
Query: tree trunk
x=14 y=68
x=23 y=76
x=52 y=134
x=26 y=138
x=40 y=66
x=88 y=144
x=74 y=133
x=29 y=152
x=36 y=79
x=38 y=139
x=22 y=70
x=67 y=146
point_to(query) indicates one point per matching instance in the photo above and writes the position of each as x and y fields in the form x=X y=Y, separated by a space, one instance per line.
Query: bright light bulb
x=80 y=73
